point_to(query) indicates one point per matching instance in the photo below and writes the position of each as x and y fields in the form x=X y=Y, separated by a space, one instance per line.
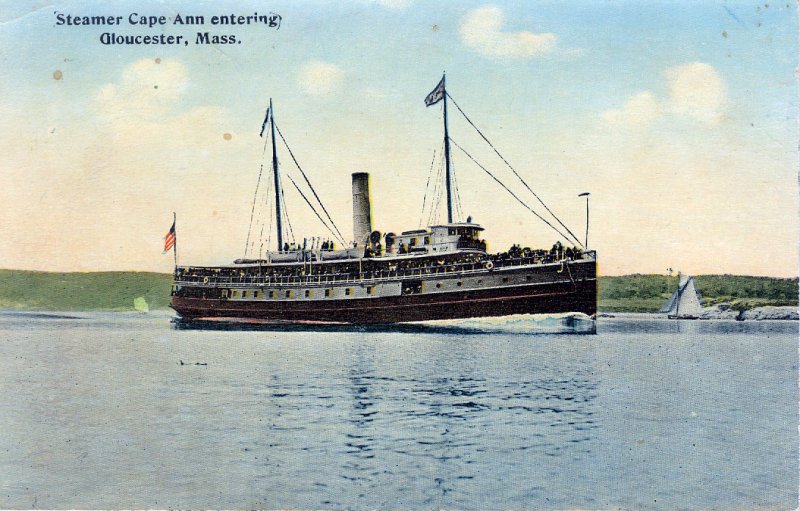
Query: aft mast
x=276 y=178
x=436 y=95
x=448 y=169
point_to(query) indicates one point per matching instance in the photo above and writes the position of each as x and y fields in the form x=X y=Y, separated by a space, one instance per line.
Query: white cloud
x=319 y=78
x=144 y=107
x=697 y=91
x=146 y=89
x=640 y=109
x=481 y=31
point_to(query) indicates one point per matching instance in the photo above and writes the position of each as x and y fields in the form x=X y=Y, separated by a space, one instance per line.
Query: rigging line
x=252 y=210
x=286 y=214
x=269 y=215
x=259 y=224
x=514 y=170
x=437 y=192
x=261 y=234
x=508 y=190
x=437 y=189
x=427 y=185
x=255 y=197
x=309 y=184
x=457 y=194
x=312 y=208
x=441 y=191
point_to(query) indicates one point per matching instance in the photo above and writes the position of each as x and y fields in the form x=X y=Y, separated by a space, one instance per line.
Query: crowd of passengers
x=373 y=269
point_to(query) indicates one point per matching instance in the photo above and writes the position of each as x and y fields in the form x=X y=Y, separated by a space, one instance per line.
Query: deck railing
x=210 y=279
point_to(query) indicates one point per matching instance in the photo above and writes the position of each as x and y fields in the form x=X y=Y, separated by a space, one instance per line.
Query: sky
x=679 y=118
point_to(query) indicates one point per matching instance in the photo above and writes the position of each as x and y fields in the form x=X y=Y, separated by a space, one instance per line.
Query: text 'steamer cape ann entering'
x=440 y=272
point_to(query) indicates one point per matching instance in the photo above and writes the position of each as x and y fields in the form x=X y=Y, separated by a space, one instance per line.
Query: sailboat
x=440 y=272
x=685 y=302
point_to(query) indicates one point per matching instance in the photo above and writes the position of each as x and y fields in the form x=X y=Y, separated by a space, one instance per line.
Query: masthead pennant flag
x=436 y=94
x=169 y=239
x=264 y=125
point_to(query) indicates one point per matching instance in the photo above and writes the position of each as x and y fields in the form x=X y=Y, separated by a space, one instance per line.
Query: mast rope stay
x=514 y=171
x=427 y=185
x=540 y=217
x=269 y=233
x=438 y=186
x=311 y=187
x=313 y=209
x=456 y=193
x=255 y=195
x=286 y=216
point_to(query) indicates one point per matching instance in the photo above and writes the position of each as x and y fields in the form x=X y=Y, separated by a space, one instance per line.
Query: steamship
x=440 y=272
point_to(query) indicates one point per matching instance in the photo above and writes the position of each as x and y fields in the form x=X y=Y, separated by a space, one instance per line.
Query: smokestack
x=362 y=214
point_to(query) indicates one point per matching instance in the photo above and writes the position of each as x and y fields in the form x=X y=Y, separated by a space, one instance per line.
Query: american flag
x=169 y=239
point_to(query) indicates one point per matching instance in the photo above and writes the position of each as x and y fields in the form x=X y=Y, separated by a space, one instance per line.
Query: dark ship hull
x=501 y=291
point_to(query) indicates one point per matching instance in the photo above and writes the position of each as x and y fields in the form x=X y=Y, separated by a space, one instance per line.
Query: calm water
x=98 y=412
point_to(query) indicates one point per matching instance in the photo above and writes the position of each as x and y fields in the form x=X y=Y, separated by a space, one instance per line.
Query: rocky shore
x=724 y=311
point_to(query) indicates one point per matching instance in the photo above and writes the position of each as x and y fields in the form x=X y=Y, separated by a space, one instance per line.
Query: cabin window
x=328 y=292
x=505 y=279
x=460 y=284
x=257 y=294
x=438 y=285
x=244 y=294
x=236 y=294
x=288 y=294
x=370 y=289
x=528 y=277
x=480 y=281
x=412 y=242
x=273 y=294
x=427 y=240
x=308 y=293
x=348 y=291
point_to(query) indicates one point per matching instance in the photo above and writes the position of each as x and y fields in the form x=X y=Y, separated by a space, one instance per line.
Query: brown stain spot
x=227 y=136
x=214 y=212
x=640 y=442
x=158 y=61
x=435 y=28
x=57 y=75
x=155 y=86
x=724 y=34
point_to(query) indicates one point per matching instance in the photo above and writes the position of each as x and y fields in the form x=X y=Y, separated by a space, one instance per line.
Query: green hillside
x=647 y=293
x=117 y=291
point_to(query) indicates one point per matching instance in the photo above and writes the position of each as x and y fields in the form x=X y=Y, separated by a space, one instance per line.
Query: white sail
x=685 y=302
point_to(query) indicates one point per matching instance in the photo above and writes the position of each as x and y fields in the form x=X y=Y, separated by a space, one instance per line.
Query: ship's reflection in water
x=433 y=431
x=419 y=416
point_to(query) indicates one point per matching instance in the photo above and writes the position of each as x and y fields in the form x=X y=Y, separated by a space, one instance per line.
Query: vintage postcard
x=399 y=254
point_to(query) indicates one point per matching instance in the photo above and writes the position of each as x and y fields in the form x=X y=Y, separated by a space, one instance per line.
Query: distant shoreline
x=25 y=290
